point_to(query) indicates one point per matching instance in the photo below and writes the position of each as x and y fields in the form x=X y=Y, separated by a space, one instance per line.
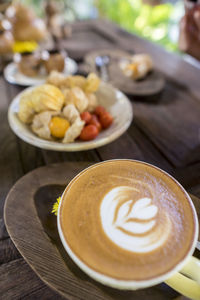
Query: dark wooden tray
x=33 y=229
x=152 y=84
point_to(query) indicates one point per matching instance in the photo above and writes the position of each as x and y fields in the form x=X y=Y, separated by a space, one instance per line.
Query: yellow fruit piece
x=79 y=99
x=92 y=83
x=134 y=69
x=58 y=127
x=26 y=111
x=38 y=99
x=76 y=81
x=27 y=46
x=47 y=96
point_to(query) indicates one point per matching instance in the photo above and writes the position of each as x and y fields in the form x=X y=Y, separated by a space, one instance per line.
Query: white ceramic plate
x=112 y=99
x=14 y=76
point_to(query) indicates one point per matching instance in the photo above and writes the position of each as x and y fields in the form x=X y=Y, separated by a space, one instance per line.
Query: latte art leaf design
x=132 y=224
x=141 y=210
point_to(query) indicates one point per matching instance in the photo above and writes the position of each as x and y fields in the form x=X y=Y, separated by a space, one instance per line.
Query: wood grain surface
x=33 y=229
x=151 y=85
x=165 y=133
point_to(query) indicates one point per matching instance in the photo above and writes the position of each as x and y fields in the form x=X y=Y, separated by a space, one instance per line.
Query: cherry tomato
x=106 y=119
x=99 y=110
x=86 y=116
x=89 y=132
x=95 y=121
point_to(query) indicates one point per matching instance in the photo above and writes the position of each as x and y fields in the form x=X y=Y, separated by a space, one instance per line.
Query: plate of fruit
x=70 y=113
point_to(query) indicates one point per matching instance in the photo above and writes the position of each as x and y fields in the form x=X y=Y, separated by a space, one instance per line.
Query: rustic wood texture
x=34 y=232
x=30 y=288
x=165 y=132
x=152 y=84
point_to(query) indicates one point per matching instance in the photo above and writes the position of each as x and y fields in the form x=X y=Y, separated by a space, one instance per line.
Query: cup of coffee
x=130 y=225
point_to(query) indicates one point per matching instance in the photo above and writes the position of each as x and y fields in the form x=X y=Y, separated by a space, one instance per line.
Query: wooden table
x=166 y=134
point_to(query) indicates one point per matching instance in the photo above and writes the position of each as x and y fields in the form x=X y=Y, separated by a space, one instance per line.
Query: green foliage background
x=156 y=23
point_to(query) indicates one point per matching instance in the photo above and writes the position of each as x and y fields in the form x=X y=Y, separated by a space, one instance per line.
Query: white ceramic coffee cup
x=176 y=278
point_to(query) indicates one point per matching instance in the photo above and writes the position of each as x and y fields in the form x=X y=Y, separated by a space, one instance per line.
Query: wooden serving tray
x=33 y=229
x=151 y=85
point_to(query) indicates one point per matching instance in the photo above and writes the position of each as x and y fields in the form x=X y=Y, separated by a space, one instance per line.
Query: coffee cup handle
x=189 y=287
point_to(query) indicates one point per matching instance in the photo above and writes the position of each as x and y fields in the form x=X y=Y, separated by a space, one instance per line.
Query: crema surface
x=127 y=220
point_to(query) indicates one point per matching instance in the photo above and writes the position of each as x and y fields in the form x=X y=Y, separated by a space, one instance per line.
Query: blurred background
x=173 y=24
x=157 y=21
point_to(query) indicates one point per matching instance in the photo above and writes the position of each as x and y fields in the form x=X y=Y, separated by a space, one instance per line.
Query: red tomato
x=89 y=132
x=86 y=116
x=99 y=110
x=95 y=121
x=106 y=119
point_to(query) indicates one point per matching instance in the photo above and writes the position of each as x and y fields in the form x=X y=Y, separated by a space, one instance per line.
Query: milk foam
x=132 y=224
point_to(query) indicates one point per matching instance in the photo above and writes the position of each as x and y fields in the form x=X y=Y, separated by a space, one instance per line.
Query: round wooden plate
x=33 y=229
x=152 y=84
